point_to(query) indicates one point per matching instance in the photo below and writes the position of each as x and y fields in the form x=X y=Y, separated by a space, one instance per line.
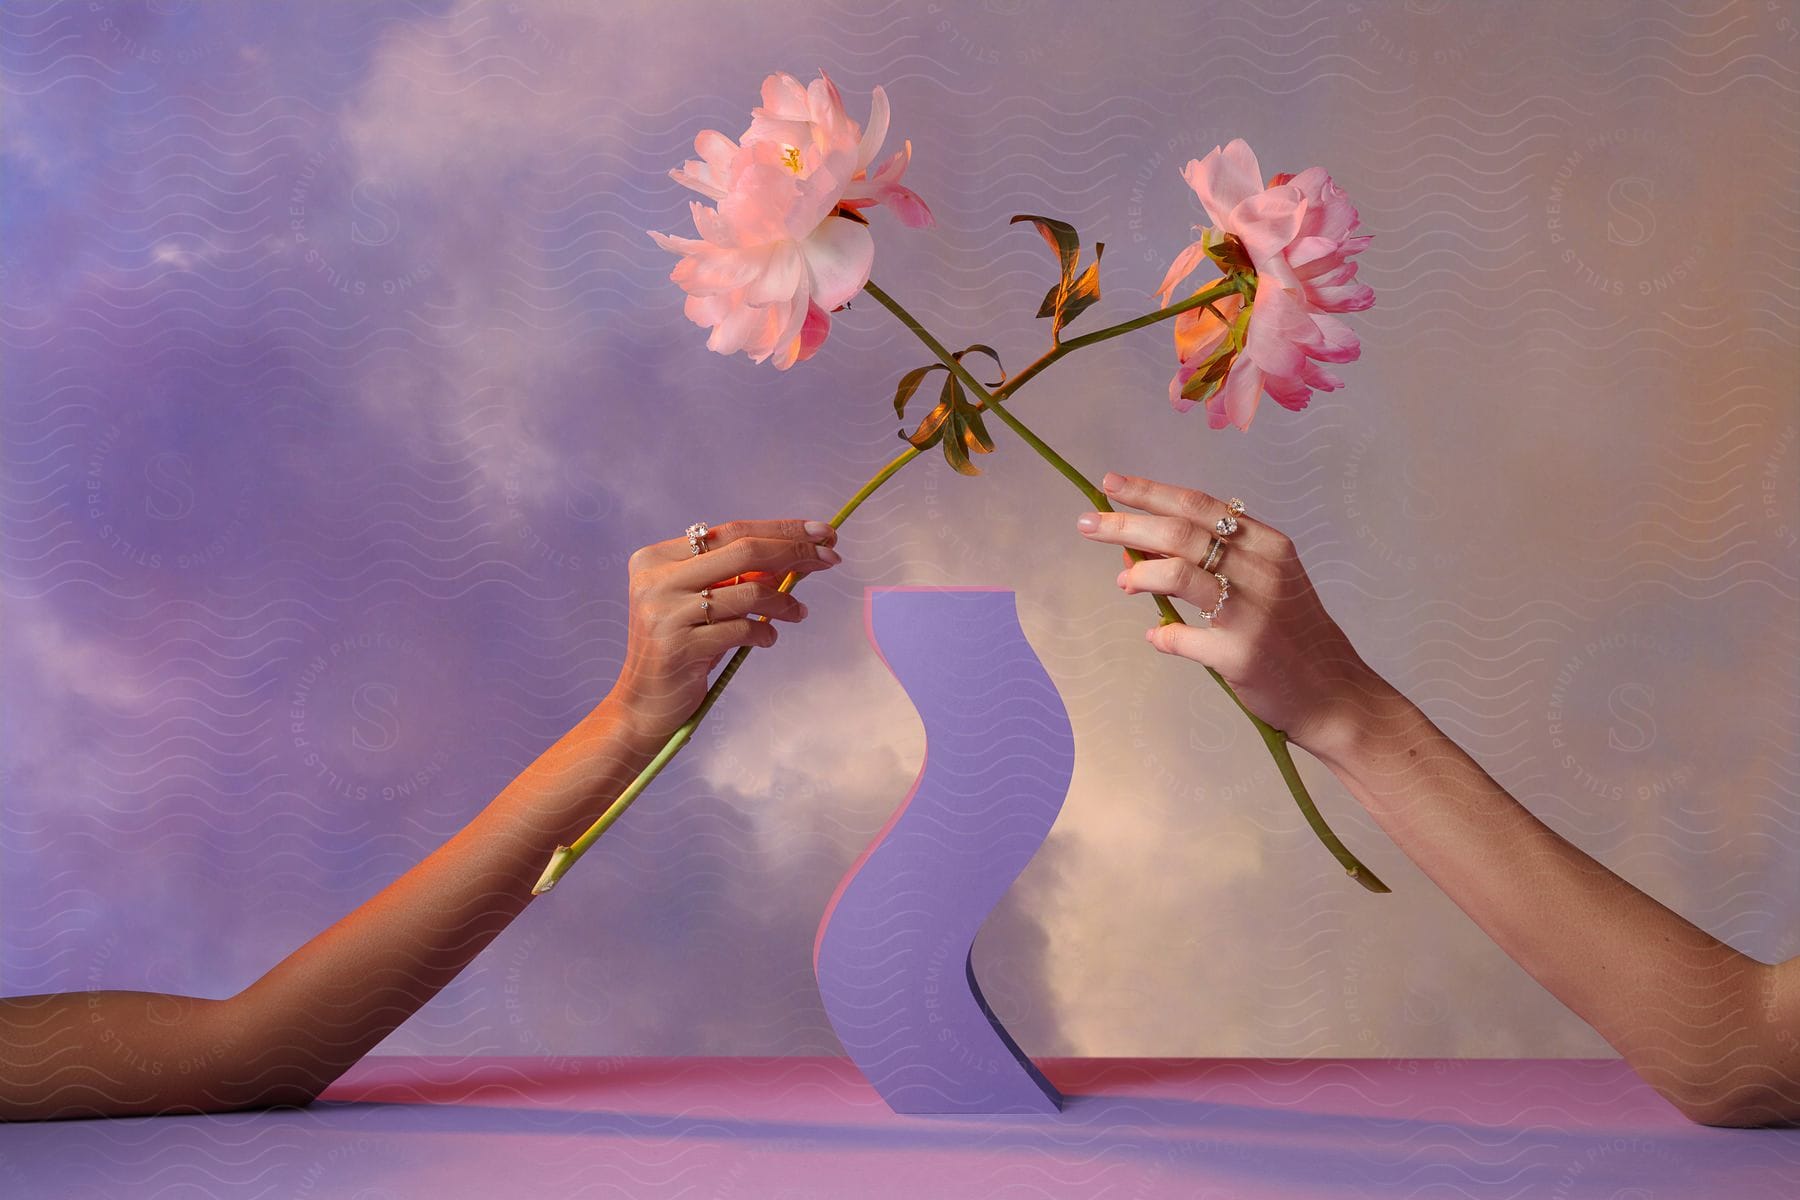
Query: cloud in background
x=341 y=378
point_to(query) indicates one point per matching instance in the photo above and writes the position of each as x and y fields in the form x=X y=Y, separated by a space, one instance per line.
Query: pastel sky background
x=340 y=378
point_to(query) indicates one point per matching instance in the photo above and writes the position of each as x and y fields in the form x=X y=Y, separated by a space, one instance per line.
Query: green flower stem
x=566 y=856
x=1220 y=290
x=1274 y=739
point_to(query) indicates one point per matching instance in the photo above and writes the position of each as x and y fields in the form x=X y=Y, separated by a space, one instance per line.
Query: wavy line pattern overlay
x=340 y=379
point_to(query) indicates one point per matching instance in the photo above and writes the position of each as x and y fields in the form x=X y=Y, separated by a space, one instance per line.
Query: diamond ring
x=1212 y=554
x=696 y=535
x=1224 y=592
x=1227 y=525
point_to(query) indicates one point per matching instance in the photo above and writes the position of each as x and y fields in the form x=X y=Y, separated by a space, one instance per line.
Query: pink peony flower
x=1296 y=234
x=787 y=243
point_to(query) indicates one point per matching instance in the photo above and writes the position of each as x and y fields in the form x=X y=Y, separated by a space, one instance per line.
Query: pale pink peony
x=1297 y=235
x=786 y=244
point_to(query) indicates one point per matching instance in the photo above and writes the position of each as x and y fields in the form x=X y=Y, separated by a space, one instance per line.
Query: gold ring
x=1224 y=592
x=1212 y=554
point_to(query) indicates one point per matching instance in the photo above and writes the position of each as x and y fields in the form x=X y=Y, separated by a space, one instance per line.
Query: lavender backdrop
x=340 y=379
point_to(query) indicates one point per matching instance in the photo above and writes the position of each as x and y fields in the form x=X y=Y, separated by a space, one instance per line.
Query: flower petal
x=875 y=132
x=839 y=256
x=1291 y=394
x=814 y=332
x=1235 y=401
x=788 y=338
x=1224 y=179
x=1280 y=331
x=711 y=270
x=1190 y=257
x=1198 y=332
x=1266 y=223
x=908 y=207
x=1338 y=343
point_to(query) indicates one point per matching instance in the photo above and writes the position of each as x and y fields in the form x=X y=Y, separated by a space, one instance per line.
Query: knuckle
x=749 y=549
x=1197 y=505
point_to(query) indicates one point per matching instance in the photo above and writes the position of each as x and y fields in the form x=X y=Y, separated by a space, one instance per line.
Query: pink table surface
x=1206 y=1129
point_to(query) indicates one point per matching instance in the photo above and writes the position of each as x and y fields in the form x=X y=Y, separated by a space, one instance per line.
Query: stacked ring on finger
x=696 y=536
x=1224 y=594
x=1223 y=528
x=1228 y=524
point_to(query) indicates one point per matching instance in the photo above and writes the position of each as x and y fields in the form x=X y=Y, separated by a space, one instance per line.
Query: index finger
x=794 y=529
x=1164 y=498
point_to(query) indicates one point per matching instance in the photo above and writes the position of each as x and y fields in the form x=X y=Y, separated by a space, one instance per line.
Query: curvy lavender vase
x=892 y=955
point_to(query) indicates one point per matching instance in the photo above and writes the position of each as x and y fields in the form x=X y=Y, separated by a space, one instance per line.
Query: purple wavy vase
x=892 y=955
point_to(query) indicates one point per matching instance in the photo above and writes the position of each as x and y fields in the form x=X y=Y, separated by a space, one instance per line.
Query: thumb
x=1185 y=641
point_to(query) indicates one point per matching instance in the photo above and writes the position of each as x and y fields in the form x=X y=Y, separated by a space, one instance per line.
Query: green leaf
x=956 y=446
x=931 y=428
x=1211 y=373
x=979 y=348
x=1199 y=388
x=1228 y=253
x=1083 y=292
x=1062 y=238
x=909 y=383
x=957 y=455
x=975 y=428
x=1071 y=296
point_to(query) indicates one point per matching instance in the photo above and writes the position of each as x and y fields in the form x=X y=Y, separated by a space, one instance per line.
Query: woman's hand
x=1273 y=641
x=670 y=648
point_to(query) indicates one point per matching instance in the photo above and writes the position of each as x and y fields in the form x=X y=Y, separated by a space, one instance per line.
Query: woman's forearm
x=289 y=1034
x=1704 y=1024
x=352 y=985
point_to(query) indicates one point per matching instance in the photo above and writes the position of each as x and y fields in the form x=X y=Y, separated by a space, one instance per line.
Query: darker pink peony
x=1297 y=234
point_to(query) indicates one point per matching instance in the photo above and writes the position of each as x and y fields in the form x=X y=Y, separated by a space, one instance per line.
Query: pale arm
x=1716 y=1032
x=1712 y=1029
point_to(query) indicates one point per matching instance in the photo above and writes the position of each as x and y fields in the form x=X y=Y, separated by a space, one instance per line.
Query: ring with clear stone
x=706 y=602
x=1227 y=525
x=1224 y=593
x=1212 y=554
x=696 y=536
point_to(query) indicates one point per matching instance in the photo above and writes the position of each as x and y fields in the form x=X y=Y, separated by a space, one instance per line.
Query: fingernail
x=1111 y=481
x=1087 y=522
x=817 y=529
x=829 y=555
x=1121 y=579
